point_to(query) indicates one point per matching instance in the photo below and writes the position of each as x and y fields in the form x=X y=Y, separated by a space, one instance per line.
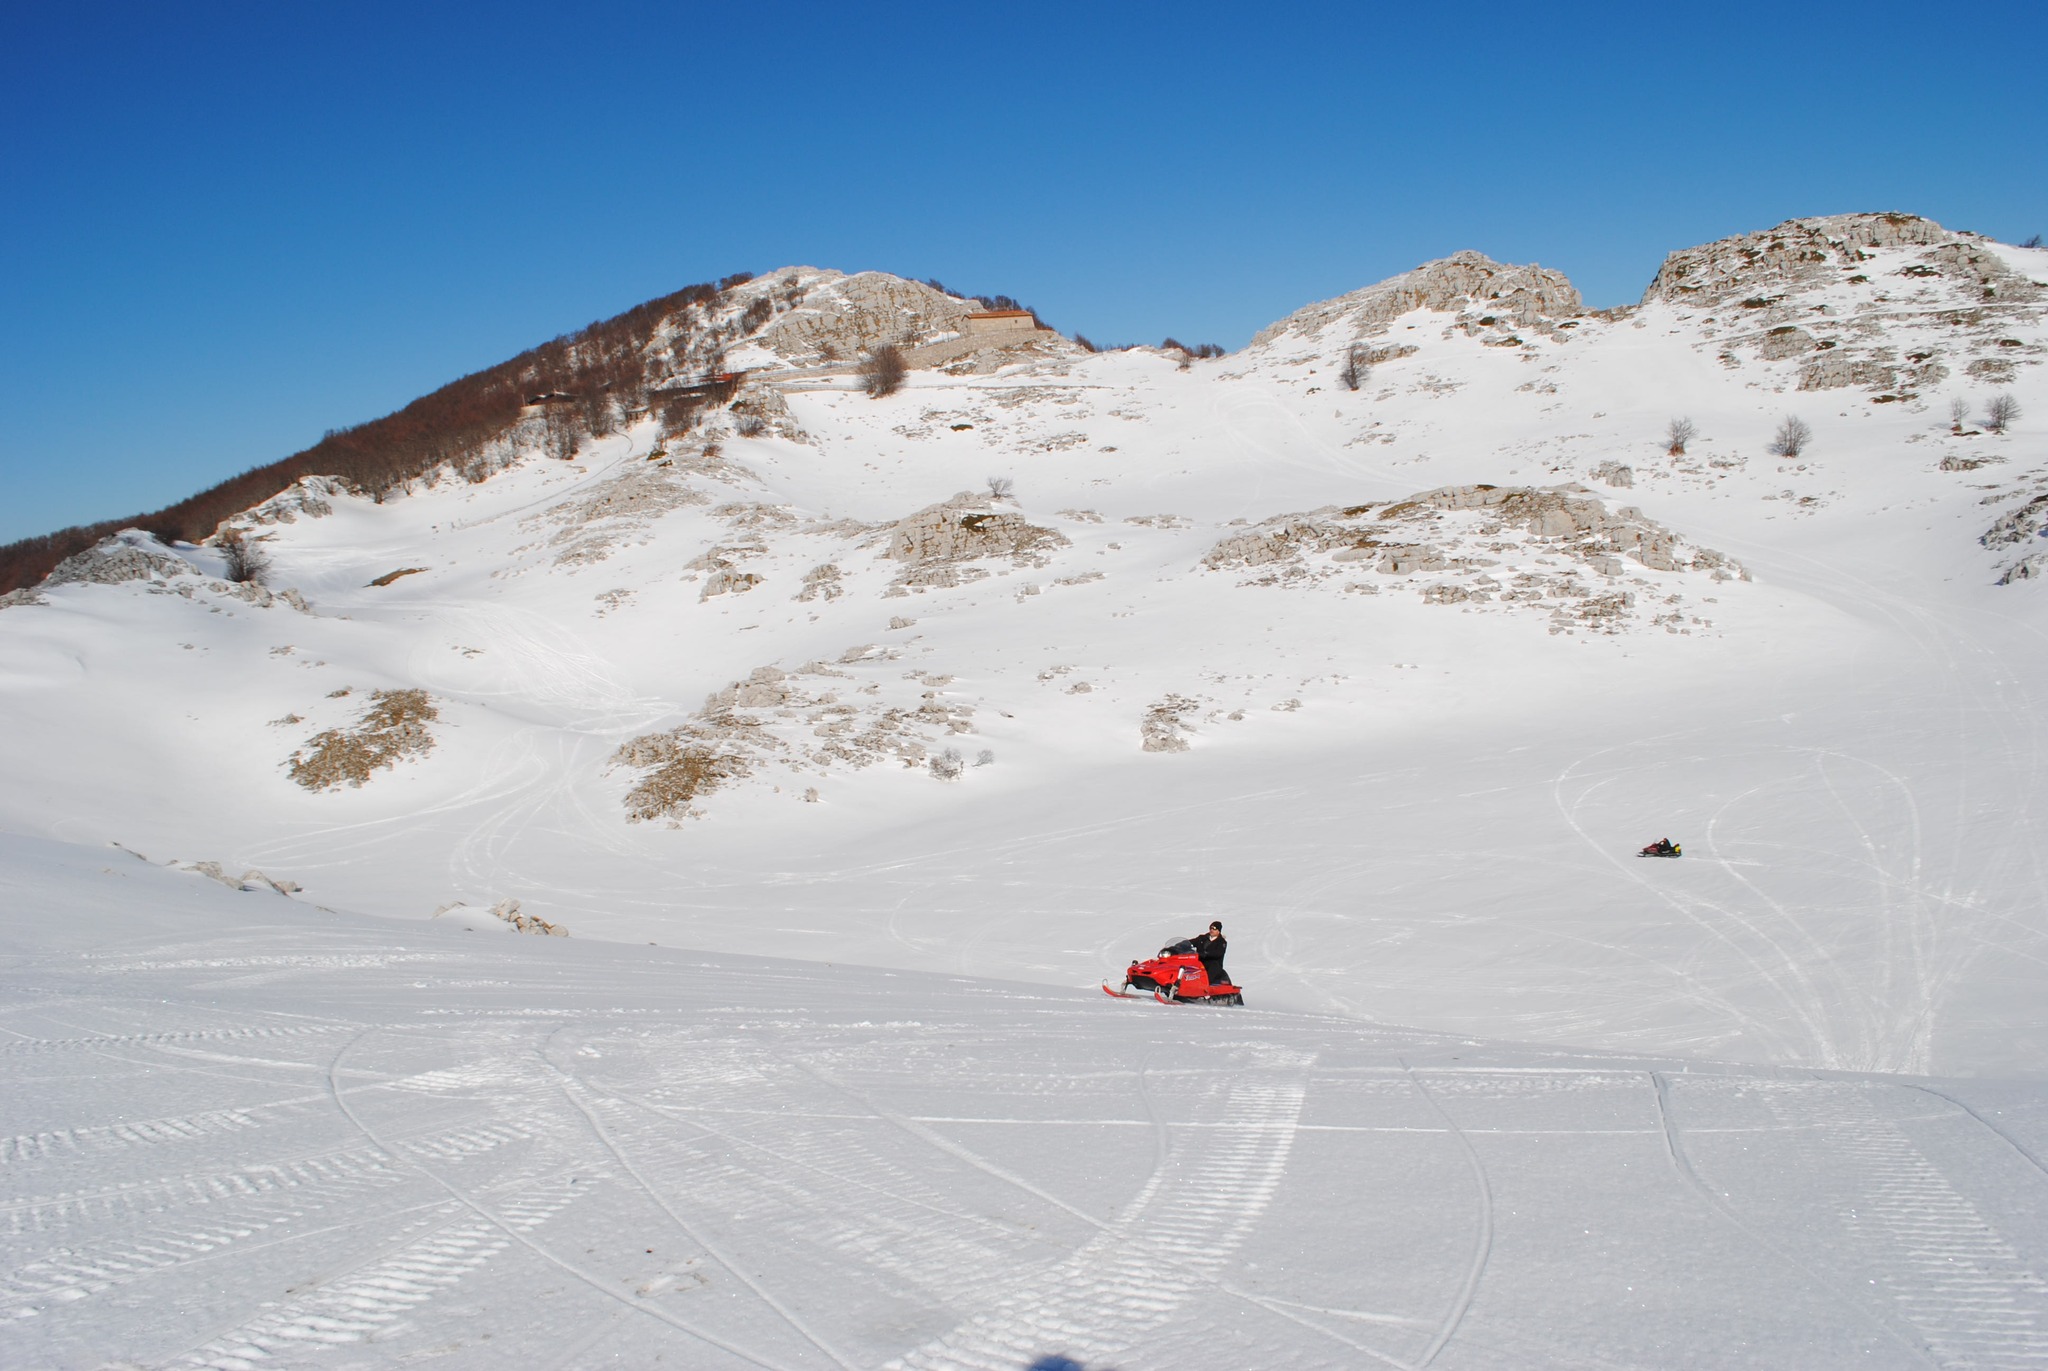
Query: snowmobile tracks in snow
x=1170 y=1243
x=1930 y=1260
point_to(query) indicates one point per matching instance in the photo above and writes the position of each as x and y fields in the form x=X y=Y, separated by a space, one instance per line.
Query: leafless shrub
x=247 y=562
x=2001 y=412
x=1677 y=434
x=1085 y=344
x=1958 y=414
x=1001 y=488
x=2032 y=242
x=882 y=370
x=749 y=425
x=1355 y=370
x=1791 y=438
x=948 y=765
x=986 y=757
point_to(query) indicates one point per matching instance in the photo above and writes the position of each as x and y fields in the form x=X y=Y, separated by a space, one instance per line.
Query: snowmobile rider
x=1210 y=947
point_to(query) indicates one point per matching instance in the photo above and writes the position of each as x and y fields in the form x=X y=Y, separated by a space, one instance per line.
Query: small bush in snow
x=2000 y=413
x=1001 y=487
x=882 y=370
x=247 y=562
x=1355 y=369
x=986 y=757
x=1958 y=414
x=1792 y=437
x=750 y=425
x=1677 y=434
x=948 y=765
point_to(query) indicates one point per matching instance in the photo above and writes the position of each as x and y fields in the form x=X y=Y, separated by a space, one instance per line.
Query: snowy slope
x=1422 y=738
x=248 y=1132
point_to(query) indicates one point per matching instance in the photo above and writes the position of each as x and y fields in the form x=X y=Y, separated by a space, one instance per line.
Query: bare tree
x=1001 y=488
x=882 y=370
x=247 y=562
x=2000 y=413
x=1355 y=369
x=1677 y=434
x=1958 y=414
x=564 y=433
x=1792 y=437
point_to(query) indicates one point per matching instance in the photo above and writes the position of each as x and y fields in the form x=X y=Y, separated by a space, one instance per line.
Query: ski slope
x=250 y=1133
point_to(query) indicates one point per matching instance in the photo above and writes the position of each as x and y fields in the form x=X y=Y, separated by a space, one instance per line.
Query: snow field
x=253 y=1133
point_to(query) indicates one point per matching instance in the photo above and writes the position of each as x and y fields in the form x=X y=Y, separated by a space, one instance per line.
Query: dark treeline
x=585 y=380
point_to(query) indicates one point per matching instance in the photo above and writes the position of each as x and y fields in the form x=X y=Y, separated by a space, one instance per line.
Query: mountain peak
x=1802 y=253
x=1463 y=283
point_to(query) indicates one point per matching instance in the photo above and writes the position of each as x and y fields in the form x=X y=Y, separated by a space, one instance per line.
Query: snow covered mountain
x=1395 y=679
x=1387 y=640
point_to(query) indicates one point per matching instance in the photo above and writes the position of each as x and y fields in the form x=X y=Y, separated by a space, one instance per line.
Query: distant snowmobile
x=1663 y=847
x=1175 y=976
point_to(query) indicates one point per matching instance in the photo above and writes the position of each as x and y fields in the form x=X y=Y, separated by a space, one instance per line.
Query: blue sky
x=230 y=227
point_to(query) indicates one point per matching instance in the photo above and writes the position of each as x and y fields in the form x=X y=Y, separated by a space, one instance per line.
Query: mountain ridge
x=472 y=421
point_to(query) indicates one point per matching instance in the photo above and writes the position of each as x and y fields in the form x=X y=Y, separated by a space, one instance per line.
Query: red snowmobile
x=1175 y=977
x=1663 y=847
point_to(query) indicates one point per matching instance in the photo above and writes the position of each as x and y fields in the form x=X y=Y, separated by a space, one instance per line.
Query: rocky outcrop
x=1482 y=292
x=130 y=555
x=837 y=316
x=939 y=543
x=1801 y=253
x=797 y=721
x=1165 y=727
x=1560 y=550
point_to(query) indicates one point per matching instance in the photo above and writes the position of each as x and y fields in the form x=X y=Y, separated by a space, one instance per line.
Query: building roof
x=1002 y=314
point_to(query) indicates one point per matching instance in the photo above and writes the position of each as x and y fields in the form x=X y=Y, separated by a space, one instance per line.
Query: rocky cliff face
x=1483 y=293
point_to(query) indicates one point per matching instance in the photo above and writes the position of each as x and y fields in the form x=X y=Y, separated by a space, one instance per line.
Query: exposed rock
x=1784 y=341
x=1799 y=253
x=251 y=879
x=1528 y=297
x=822 y=582
x=839 y=317
x=312 y=496
x=795 y=721
x=1165 y=727
x=1615 y=474
x=727 y=581
x=130 y=555
x=595 y=521
x=936 y=541
x=1506 y=546
x=760 y=411
x=2018 y=526
x=1832 y=370
x=508 y=910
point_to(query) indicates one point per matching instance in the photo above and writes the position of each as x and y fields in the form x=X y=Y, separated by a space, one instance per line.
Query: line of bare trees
x=587 y=382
